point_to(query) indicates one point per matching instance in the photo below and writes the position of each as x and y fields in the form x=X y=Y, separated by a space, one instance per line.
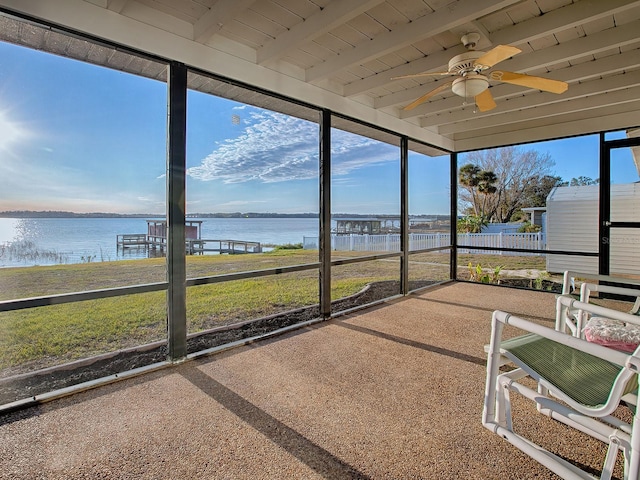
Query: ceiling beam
x=571 y=15
x=448 y=17
x=574 y=49
x=603 y=66
x=145 y=13
x=117 y=5
x=615 y=117
x=332 y=16
x=99 y=3
x=221 y=13
x=600 y=96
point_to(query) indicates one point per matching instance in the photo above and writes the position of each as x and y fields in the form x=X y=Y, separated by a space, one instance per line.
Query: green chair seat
x=583 y=377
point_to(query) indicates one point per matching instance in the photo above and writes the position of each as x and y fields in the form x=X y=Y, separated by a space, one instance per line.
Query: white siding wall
x=625 y=242
x=572 y=224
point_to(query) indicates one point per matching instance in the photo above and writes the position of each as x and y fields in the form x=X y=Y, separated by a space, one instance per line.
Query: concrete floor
x=393 y=392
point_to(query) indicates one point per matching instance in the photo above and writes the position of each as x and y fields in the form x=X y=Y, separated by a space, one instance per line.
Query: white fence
x=527 y=241
x=419 y=241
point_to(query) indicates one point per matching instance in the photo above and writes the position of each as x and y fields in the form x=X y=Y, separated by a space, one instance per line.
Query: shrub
x=288 y=246
x=478 y=274
x=472 y=224
x=527 y=227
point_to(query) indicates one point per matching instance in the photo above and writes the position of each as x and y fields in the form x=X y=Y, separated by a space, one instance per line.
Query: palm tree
x=479 y=183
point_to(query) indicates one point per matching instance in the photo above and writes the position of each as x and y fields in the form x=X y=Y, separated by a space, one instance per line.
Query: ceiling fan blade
x=428 y=95
x=423 y=74
x=485 y=101
x=544 y=84
x=496 y=55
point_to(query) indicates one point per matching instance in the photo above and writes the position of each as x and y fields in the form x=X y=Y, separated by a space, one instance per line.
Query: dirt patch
x=36 y=383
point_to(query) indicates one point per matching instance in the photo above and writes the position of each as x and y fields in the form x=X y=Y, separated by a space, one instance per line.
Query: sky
x=82 y=138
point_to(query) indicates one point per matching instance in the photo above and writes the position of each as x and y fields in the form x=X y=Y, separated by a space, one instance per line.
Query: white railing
x=420 y=241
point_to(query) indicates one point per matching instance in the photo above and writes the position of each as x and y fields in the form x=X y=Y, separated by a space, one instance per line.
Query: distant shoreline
x=61 y=214
x=58 y=214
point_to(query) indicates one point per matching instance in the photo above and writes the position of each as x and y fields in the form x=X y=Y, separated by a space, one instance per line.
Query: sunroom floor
x=392 y=392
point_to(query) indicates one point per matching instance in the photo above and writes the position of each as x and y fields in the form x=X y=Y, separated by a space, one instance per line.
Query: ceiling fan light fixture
x=470 y=85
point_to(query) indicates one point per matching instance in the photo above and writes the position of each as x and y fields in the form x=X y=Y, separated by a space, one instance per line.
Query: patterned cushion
x=613 y=334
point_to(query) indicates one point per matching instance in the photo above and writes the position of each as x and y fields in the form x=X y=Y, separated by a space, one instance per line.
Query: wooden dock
x=192 y=246
x=222 y=246
x=131 y=240
x=156 y=238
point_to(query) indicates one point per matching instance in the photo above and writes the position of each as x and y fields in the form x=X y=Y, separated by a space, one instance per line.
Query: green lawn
x=55 y=334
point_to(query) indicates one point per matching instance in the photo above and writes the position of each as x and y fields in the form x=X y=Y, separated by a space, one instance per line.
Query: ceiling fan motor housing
x=465 y=62
x=471 y=82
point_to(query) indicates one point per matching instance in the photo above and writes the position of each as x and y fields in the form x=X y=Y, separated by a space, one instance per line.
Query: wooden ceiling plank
x=427 y=26
x=157 y=18
x=330 y=42
x=580 y=47
x=276 y=13
x=334 y=15
x=497 y=21
x=410 y=8
x=221 y=13
x=626 y=16
x=367 y=26
x=524 y=11
x=99 y=3
x=261 y=23
x=388 y=16
x=179 y=10
x=561 y=19
x=243 y=35
x=117 y=5
x=300 y=8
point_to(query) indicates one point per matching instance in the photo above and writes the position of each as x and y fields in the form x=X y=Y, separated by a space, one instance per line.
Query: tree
x=479 y=184
x=535 y=195
x=583 y=181
x=522 y=179
x=471 y=224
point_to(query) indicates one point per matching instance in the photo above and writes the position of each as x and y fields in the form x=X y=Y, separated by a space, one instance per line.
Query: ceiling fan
x=471 y=82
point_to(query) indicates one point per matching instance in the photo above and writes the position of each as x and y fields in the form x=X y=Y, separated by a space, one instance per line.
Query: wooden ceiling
x=343 y=54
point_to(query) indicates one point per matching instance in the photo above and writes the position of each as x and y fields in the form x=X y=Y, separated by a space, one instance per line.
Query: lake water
x=47 y=241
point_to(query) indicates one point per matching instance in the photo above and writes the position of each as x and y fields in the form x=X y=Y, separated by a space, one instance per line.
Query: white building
x=572 y=225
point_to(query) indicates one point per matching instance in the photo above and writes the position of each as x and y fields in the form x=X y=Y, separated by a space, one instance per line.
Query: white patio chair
x=580 y=384
x=587 y=288
x=576 y=323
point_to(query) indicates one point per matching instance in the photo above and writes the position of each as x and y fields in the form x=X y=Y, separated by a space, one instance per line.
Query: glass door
x=620 y=206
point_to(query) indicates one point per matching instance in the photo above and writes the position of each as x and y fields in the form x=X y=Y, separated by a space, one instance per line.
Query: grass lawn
x=507 y=262
x=58 y=333
x=55 y=334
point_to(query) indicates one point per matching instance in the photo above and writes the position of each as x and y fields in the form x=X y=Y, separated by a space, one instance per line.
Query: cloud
x=12 y=132
x=277 y=148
